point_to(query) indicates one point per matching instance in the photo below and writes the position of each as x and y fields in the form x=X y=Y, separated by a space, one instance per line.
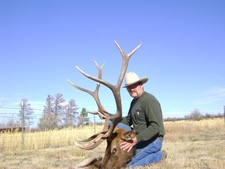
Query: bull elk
x=114 y=156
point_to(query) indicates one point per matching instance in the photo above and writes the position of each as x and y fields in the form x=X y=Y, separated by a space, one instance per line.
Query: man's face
x=134 y=90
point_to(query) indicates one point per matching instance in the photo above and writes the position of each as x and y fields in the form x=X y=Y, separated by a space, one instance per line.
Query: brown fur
x=115 y=157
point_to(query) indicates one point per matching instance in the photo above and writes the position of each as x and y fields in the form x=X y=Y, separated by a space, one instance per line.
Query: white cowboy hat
x=132 y=78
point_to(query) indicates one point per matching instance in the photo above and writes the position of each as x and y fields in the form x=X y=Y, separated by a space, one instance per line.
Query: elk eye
x=114 y=151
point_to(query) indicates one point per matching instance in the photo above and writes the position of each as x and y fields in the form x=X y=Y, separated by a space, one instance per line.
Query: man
x=145 y=116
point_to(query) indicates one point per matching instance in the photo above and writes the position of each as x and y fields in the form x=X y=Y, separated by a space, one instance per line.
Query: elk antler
x=94 y=94
x=98 y=138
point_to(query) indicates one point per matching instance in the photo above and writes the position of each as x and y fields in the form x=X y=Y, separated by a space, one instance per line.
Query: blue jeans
x=147 y=152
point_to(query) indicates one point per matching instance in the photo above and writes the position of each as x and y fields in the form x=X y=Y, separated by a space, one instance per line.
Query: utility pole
x=22 y=121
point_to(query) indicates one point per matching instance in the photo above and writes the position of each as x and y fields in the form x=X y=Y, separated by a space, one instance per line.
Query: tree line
x=56 y=114
x=59 y=114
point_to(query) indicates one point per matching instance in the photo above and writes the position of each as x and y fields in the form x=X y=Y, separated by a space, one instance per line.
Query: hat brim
x=142 y=80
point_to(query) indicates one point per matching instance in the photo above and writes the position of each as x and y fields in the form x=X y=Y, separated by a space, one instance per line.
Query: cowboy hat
x=132 y=78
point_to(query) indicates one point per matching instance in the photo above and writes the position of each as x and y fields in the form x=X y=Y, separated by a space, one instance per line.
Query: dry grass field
x=189 y=144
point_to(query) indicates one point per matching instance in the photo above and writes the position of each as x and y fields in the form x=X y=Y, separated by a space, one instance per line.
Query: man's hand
x=128 y=145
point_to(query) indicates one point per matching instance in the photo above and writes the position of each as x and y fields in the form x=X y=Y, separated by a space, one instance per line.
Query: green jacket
x=145 y=115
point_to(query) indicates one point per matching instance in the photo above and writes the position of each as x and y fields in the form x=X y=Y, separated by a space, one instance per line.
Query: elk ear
x=114 y=151
x=128 y=135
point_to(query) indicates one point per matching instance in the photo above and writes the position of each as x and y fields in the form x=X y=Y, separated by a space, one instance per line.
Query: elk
x=114 y=156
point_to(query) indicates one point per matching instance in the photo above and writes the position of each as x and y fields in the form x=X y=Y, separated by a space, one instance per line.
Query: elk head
x=113 y=153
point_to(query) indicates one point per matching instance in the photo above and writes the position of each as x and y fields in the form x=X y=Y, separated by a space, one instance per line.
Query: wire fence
x=10 y=116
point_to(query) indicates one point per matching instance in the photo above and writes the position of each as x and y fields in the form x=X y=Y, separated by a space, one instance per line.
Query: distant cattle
x=11 y=129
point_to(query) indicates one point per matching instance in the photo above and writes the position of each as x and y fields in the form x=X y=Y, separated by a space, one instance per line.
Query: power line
x=13 y=108
x=8 y=108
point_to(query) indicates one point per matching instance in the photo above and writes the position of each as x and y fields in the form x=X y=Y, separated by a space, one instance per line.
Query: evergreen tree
x=83 y=117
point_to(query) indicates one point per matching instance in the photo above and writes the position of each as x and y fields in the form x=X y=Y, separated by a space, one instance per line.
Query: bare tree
x=195 y=115
x=70 y=114
x=59 y=110
x=13 y=122
x=52 y=113
x=26 y=113
x=48 y=118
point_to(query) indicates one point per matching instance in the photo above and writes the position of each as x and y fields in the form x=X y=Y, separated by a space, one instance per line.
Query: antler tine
x=92 y=137
x=94 y=141
x=110 y=86
x=97 y=139
x=116 y=89
x=125 y=61
x=95 y=92
x=91 y=145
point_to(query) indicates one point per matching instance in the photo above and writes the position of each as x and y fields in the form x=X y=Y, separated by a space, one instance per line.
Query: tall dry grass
x=189 y=144
x=45 y=139
x=208 y=129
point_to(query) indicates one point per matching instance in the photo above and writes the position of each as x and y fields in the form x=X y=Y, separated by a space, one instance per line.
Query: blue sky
x=182 y=52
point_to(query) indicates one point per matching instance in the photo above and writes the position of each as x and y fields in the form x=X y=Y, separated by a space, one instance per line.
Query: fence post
x=22 y=122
